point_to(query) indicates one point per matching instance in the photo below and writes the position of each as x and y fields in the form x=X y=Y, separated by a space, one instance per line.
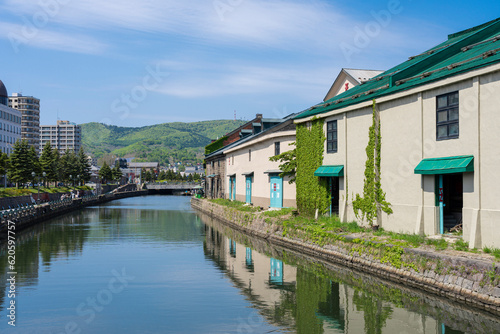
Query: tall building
x=10 y=122
x=65 y=135
x=29 y=107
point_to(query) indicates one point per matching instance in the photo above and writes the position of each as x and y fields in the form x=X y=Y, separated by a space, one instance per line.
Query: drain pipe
x=441 y=205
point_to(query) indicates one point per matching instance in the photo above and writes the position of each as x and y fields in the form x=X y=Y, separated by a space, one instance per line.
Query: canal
x=153 y=265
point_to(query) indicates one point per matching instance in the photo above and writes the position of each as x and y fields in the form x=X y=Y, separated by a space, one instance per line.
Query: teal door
x=276 y=273
x=232 y=188
x=249 y=189
x=276 y=192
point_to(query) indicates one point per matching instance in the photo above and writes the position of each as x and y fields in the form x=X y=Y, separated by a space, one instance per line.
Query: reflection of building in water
x=308 y=301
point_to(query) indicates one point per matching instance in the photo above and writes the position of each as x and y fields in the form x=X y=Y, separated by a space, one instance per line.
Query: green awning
x=448 y=165
x=330 y=171
x=209 y=176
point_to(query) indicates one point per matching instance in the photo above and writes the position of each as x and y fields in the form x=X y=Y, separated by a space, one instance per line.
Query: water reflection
x=305 y=296
x=193 y=275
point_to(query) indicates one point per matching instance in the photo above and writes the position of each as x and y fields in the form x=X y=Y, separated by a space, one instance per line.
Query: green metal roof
x=449 y=165
x=462 y=52
x=330 y=171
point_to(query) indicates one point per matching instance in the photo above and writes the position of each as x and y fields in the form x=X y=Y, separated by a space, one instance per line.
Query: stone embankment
x=30 y=214
x=464 y=278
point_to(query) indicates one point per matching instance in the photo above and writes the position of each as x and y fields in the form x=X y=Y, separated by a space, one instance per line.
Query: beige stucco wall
x=262 y=148
x=408 y=129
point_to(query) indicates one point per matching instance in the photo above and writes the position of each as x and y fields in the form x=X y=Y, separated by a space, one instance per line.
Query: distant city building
x=136 y=168
x=65 y=135
x=121 y=162
x=29 y=107
x=92 y=160
x=10 y=122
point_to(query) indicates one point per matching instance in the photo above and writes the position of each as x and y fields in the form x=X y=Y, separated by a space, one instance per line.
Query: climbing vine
x=218 y=144
x=312 y=192
x=373 y=200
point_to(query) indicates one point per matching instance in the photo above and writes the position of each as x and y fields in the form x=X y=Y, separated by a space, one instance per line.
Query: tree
x=105 y=173
x=116 y=173
x=57 y=168
x=147 y=176
x=170 y=175
x=47 y=163
x=4 y=163
x=288 y=165
x=35 y=164
x=20 y=164
x=83 y=166
x=69 y=166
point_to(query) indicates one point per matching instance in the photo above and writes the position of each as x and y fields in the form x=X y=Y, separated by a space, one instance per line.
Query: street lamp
x=33 y=174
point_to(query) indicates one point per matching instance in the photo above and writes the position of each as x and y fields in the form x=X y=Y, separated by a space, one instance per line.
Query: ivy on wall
x=312 y=191
x=212 y=147
x=373 y=200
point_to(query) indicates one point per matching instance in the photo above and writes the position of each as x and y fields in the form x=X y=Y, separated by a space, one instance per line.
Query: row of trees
x=23 y=165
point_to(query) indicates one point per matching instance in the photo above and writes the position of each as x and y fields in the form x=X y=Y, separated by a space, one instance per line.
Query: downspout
x=441 y=205
x=330 y=187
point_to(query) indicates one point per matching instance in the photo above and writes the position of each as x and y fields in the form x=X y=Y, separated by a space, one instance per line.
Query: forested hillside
x=165 y=143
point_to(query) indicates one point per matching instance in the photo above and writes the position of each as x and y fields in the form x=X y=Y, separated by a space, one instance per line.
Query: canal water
x=152 y=265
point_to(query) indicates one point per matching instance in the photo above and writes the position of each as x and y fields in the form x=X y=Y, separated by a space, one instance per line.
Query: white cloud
x=212 y=80
x=21 y=36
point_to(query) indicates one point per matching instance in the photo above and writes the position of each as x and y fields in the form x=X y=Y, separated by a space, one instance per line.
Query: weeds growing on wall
x=373 y=201
x=312 y=192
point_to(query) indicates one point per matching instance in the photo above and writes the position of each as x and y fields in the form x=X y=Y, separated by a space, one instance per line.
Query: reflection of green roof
x=462 y=52
x=448 y=165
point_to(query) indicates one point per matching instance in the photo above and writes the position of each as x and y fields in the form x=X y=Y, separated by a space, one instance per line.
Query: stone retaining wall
x=469 y=288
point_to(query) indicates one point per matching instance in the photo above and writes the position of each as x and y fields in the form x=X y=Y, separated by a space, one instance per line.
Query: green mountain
x=165 y=143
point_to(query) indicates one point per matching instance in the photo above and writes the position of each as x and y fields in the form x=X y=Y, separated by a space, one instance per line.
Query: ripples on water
x=152 y=265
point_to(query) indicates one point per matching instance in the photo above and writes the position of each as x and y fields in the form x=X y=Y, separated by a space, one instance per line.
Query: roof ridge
x=466 y=31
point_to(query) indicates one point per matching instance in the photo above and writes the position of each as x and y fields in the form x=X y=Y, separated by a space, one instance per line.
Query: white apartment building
x=65 y=135
x=10 y=122
x=29 y=107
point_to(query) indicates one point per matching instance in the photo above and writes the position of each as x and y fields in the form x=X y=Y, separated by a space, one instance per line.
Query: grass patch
x=240 y=206
x=440 y=244
x=461 y=245
x=493 y=251
x=326 y=224
x=278 y=213
x=413 y=239
x=496 y=252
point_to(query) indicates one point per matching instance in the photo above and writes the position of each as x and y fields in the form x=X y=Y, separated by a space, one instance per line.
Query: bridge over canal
x=172 y=188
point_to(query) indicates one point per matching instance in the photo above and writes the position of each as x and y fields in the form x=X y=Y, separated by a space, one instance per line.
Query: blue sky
x=137 y=63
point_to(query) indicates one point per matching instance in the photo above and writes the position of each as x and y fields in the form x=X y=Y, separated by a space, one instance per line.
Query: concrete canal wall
x=464 y=279
x=29 y=215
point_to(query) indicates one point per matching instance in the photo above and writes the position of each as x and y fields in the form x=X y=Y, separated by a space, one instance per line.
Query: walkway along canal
x=151 y=264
